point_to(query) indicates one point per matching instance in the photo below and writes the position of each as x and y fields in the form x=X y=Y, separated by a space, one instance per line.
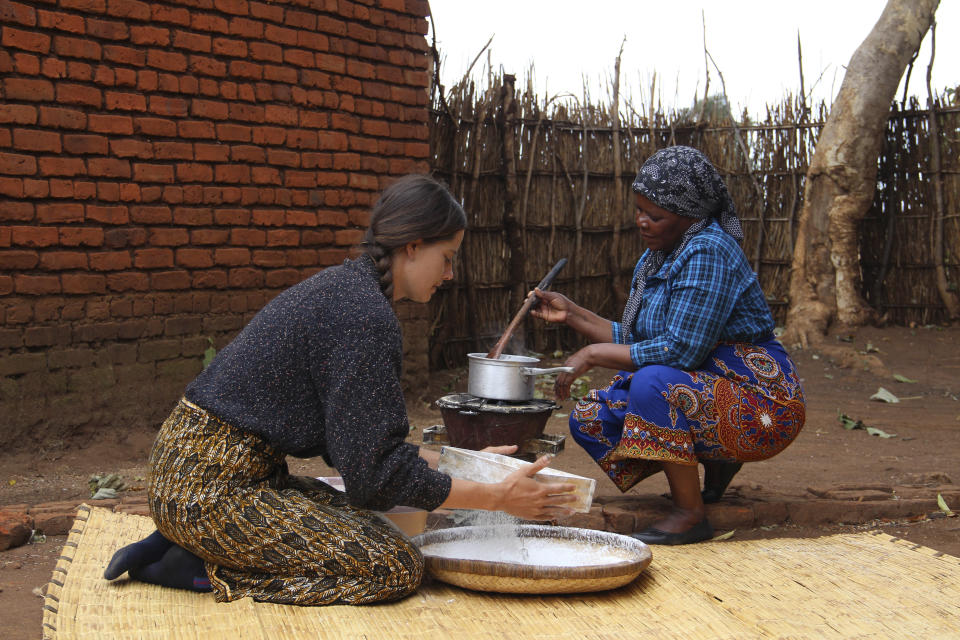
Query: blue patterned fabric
x=745 y=403
x=703 y=294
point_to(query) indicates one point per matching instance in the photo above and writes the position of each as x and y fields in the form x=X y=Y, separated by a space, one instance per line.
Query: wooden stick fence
x=547 y=178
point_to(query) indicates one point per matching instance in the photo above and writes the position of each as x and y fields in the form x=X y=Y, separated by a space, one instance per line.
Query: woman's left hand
x=581 y=361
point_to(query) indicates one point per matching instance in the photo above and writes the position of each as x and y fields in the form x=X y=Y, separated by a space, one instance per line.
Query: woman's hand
x=524 y=497
x=553 y=307
x=581 y=361
x=504 y=450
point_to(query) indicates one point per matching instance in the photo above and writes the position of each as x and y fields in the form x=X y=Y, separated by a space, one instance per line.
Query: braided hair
x=415 y=207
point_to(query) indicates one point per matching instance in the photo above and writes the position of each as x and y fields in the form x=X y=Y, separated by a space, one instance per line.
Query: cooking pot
x=505 y=378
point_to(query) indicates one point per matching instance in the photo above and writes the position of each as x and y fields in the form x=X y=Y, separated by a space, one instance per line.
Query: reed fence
x=543 y=179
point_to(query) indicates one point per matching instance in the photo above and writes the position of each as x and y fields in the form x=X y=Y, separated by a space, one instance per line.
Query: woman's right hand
x=524 y=497
x=553 y=307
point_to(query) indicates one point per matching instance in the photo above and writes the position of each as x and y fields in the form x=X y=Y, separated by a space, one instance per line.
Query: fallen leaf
x=884 y=396
x=871 y=349
x=900 y=378
x=12 y=482
x=943 y=506
x=724 y=536
x=848 y=422
x=873 y=431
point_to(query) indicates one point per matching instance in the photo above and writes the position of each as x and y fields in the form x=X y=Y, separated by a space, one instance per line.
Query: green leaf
x=209 y=354
x=723 y=536
x=848 y=422
x=873 y=431
x=884 y=396
x=943 y=506
x=900 y=378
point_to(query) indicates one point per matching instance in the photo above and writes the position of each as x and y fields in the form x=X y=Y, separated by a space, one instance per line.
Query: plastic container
x=481 y=466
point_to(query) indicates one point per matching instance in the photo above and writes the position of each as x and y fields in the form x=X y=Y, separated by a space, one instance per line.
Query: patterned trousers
x=226 y=496
x=745 y=403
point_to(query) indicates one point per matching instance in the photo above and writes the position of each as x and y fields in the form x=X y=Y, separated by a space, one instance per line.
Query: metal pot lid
x=461 y=401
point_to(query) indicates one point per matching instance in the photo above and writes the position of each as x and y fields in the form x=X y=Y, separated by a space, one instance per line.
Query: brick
x=26 y=40
x=209 y=236
x=110 y=261
x=202 y=65
x=108 y=167
x=12 y=188
x=33 y=236
x=18 y=114
x=282 y=278
x=209 y=279
x=131 y=148
x=36 y=285
x=153 y=173
x=330 y=257
x=151 y=214
x=194 y=258
x=245 y=278
x=193 y=216
x=175 y=15
x=182 y=326
x=196 y=129
x=266 y=52
x=77 y=48
x=12 y=210
x=163 y=237
x=17 y=165
x=61 y=212
x=231 y=256
x=108 y=215
x=234 y=133
x=84 y=283
x=59 y=188
x=283 y=238
x=210 y=109
x=120 y=125
x=18 y=260
x=153 y=258
x=129 y=9
x=61 y=166
x=164 y=106
x=69 y=93
x=128 y=281
x=155 y=127
x=201 y=43
x=82 y=144
x=122 y=101
x=170 y=280
x=74 y=237
x=194 y=172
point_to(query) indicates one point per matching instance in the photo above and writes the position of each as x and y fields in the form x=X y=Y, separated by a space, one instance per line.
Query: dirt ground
x=838 y=377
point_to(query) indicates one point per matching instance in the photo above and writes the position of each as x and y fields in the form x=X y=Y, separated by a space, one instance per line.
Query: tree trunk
x=825 y=281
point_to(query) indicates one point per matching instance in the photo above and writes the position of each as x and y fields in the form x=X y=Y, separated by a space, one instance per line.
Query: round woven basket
x=631 y=557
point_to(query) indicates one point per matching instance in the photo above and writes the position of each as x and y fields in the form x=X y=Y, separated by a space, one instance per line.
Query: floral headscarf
x=681 y=180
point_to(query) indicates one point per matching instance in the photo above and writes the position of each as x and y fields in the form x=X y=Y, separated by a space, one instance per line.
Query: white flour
x=498 y=538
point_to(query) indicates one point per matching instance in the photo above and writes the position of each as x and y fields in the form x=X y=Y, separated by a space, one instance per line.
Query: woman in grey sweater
x=316 y=372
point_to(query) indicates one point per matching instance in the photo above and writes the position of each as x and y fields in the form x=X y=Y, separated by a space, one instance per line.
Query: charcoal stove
x=472 y=422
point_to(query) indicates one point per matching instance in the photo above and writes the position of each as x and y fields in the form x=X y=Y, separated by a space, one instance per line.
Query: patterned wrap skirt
x=744 y=404
x=226 y=496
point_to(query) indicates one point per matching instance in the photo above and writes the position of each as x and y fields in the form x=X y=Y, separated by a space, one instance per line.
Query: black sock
x=178 y=568
x=148 y=550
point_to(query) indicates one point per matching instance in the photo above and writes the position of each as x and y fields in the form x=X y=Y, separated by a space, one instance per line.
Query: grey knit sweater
x=317 y=372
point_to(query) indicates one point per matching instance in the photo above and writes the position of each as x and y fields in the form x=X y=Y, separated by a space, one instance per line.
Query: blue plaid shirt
x=705 y=294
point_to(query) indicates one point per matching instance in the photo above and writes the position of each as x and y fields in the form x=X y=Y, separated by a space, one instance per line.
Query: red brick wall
x=166 y=167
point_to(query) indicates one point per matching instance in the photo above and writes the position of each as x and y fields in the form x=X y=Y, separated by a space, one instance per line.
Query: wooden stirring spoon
x=528 y=304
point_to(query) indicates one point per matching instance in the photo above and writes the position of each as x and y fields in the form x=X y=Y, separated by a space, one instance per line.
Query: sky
x=753 y=42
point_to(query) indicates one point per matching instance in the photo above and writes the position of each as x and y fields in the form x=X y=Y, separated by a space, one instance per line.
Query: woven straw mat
x=866 y=585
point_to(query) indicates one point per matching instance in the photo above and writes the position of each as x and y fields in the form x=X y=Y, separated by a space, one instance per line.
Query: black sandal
x=717 y=476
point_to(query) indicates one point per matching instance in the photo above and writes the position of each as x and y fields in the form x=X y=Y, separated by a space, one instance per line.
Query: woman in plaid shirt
x=702 y=378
